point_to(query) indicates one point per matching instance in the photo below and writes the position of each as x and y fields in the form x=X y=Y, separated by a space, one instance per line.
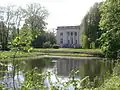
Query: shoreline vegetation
x=50 y=52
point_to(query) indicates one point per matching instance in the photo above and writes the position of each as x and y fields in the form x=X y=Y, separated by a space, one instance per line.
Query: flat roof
x=68 y=27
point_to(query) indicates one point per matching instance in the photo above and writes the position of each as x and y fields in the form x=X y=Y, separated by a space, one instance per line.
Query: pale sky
x=61 y=12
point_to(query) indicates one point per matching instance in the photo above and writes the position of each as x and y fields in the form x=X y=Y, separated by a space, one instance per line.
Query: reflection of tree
x=13 y=70
x=91 y=68
x=3 y=68
x=35 y=66
x=37 y=63
x=96 y=70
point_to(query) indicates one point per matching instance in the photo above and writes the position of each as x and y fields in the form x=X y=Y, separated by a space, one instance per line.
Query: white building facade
x=68 y=36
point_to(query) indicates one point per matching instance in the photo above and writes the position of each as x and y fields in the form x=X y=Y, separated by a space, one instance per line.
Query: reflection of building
x=68 y=36
x=64 y=67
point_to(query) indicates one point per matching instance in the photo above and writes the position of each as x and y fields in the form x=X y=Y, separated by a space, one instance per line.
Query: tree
x=90 y=27
x=23 y=41
x=11 y=18
x=43 y=38
x=35 y=16
x=3 y=35
x=5 y=22
x=110 y=27
x=84 y=29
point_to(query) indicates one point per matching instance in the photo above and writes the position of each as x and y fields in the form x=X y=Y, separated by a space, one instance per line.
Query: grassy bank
x=69 y=50
x=52 y=52
x=10 y=54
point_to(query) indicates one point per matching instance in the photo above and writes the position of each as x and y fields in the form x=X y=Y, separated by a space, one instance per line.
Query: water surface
x=61 y=67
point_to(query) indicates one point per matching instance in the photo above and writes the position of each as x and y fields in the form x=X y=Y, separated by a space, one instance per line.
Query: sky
x=61 y=12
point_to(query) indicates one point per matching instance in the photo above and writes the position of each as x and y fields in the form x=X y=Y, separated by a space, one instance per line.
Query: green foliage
x=55 y=46
x=34 y=80
x=110 y=26
x=113 y=82
x=92 y=45
x=47 y=45
x=110 y=84
x=90 y=27
x=35 y=18
x=23 y=41
x=3 y=36
x=42 y=38
x=85 y=41
x=21 y=45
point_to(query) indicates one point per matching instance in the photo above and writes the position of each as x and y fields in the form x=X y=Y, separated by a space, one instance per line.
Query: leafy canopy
x=110 y=26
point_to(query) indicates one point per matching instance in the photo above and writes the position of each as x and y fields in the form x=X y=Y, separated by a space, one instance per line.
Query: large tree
x=110 y=26
x=90 y=27
x=35 y=16
x=7 y=15
x=43 y=38
x=3 y=36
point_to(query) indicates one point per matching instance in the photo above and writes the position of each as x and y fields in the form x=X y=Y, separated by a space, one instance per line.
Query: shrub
x=56 y=46
x=47 y=45
x=92 y=45
x=85 y=42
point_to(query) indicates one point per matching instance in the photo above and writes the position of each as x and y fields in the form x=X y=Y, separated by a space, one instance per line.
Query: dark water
x=61 y=67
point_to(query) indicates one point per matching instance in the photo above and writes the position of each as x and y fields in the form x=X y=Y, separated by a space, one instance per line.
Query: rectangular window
x=71 y=40
x=75 y=33
x=67 y=33
x=68 y=41
x=61 y=41
x=75 y=41
x=71 y=33
x=61 y=34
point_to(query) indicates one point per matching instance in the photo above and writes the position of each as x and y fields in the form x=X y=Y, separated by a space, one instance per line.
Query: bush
x=85 y=42
x=47 y=45
x=56 y=46
x=92 y=45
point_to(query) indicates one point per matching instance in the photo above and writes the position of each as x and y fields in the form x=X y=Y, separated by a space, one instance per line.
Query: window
x=68 y=41
x=68 y=33
x=75 y=33
x=61 y=34
x=71 y=33
x=75 y=41
x=71 y=40
x=61 y=41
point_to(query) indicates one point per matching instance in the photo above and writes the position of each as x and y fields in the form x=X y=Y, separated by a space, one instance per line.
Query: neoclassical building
x=68 y=36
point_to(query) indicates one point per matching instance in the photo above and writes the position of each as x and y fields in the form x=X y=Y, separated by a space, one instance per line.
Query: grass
x=68 y=54
x=69 y=50
x=50 y=52
x=9 y=54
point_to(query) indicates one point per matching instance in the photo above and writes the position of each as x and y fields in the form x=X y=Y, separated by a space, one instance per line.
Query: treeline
x=101 y=28
x=24 y=26
x=90 y=28
x=44 y=40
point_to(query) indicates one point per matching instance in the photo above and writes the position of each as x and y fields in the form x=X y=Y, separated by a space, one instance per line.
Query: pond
x=13 y=72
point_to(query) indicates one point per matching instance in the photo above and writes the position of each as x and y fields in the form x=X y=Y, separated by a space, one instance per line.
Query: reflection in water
x=91 y=68
x=64 y=67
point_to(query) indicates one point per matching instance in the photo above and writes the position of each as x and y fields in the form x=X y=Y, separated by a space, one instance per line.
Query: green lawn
x=9 y=54
x=69 y=50
x=68 y=54
x=50 y=52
